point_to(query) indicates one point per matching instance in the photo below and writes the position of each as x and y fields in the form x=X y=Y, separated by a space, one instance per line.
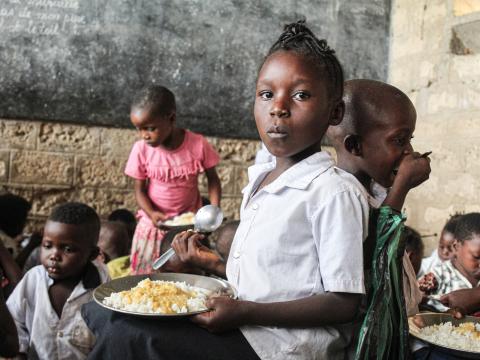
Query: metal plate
x=419 y=321
x=177 y=228
x=216 y=285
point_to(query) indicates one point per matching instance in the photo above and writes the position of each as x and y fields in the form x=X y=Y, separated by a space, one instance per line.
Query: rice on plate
x=464 y=337
x=160 y=297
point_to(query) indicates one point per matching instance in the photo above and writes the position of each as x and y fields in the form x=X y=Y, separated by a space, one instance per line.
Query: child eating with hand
x=46 y=303
x=463 y=270
x=165 y=164
x=373 y=143
x=301 y=218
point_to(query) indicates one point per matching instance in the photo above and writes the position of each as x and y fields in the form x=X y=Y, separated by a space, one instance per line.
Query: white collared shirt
x=40 y=330
x=299 y=236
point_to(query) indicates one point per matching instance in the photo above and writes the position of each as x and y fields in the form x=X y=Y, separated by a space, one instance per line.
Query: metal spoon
x=207 y=219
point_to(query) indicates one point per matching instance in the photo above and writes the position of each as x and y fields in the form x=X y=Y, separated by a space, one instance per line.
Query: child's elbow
x=350 y=309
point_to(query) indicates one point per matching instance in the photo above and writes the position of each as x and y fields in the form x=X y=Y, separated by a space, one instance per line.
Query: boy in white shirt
x=46 y=303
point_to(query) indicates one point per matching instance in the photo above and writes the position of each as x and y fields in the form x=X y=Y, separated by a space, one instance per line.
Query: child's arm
x=214 y=186
x=17 y=305
x=311 y=311
x=192 y=252
x=12 y=271
x=413 y=170
x=8 y=331
x=468 y=300
x=145 y=203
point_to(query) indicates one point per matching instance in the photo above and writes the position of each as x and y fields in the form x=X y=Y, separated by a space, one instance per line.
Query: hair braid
x=299 y=38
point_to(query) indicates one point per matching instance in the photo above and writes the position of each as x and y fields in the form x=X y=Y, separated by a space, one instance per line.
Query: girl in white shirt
x=296 y=259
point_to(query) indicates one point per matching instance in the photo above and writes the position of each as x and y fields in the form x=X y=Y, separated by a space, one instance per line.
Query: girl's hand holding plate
x=226 y=314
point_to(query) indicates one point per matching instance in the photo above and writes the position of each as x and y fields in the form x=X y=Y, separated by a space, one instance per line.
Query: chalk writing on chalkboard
x=81 y=61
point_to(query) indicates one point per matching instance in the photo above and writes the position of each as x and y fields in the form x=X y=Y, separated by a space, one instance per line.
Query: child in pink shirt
x=165 y=164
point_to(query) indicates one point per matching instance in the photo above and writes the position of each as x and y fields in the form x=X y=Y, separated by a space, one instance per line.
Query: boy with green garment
x=373 y=143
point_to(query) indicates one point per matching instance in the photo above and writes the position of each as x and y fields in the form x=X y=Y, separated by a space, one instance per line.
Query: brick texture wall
x=50 y=163
x=444 y=84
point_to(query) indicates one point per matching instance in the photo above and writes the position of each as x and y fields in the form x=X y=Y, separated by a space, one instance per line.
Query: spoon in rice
x=207 y=219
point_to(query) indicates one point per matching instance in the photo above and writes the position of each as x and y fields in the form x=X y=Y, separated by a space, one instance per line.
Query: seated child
x=463 y=270
x=114 y=248
x=13 y=216
x=373 y=143
x=224 y=238
x=8 y=331
x=10 y=272
x=413 y=247
x=46 y=303
x=127 y=218
x=444 y=251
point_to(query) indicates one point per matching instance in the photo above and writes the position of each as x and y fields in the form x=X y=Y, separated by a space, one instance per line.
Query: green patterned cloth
x=384 y=332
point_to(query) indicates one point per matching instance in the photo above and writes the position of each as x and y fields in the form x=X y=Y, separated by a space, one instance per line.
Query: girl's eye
x=150 y=129
x=47 y=245
x=301 y=95
x=68 y=249
x=266 y=95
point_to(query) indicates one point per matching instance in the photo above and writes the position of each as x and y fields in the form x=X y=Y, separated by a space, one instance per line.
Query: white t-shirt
x=429 y=263
x=299 y=236
x=41 y=333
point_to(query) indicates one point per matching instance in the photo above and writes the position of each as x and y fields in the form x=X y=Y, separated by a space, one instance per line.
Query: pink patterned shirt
x=172 y=175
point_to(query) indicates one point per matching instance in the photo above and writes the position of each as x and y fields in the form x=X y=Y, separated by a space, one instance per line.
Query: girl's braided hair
x=299 y=38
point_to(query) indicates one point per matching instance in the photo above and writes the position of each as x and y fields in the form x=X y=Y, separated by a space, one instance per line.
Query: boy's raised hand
x=413 y=170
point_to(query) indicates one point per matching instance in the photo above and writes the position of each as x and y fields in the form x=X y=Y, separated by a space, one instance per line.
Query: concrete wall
x=50 y=163
x=435 y=59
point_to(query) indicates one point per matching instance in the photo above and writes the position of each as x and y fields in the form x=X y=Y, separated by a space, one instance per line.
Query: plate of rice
x=182 y=221
x=159 y=295
x=460 y=337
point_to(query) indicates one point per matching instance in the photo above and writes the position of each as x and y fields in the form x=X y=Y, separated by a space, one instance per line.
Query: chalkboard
x=81 y=61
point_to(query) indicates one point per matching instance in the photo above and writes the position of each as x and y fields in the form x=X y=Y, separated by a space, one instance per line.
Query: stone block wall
x=50 y=163
x=435 y=59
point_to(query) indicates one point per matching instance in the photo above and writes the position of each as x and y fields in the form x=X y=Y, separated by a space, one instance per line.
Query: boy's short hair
x=413 y=240
x=452 y=223
x=13 y=213
x=122 y=215
x=467 y=226
x=114 y=240
x=76 y=213
x=157 y=99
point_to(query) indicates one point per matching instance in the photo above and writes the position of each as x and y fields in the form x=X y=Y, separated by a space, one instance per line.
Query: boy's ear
x=172 y=117
x=456 y=244
x=353 y=144
x=336 y=115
